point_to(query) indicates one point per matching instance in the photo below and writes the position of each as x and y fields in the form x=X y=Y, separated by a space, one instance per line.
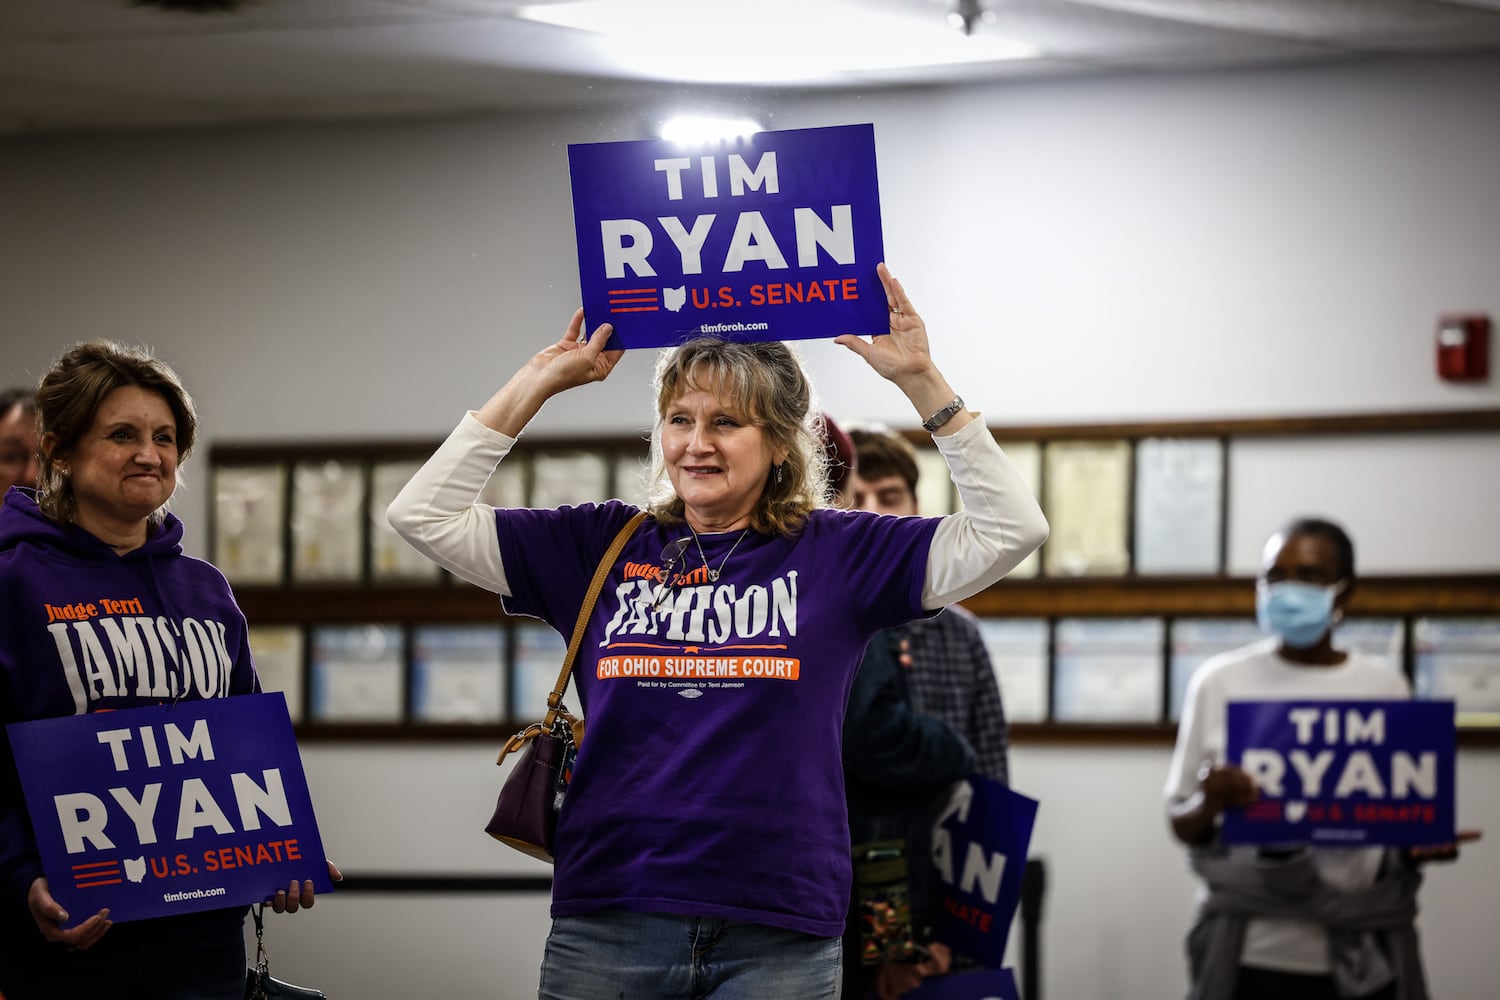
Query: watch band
x=941 y=417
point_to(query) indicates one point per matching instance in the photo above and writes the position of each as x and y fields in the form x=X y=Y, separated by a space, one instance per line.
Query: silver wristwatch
x=941 y=417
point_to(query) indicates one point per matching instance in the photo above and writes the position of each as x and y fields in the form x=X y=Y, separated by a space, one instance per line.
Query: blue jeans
x=661 y=956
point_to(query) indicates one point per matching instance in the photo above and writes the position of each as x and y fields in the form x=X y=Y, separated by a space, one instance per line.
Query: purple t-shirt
x=710 y=782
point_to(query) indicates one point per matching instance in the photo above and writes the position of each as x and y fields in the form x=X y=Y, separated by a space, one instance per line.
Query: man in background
x=18 y=442
x=947 y=667
x=924 y=712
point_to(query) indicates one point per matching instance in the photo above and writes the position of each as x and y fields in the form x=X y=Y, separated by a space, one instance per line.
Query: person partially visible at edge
x=1315 y=923
x=18 y=444
x=947 y=665
x=941 y=668
x=702 y=849
x=115 y=423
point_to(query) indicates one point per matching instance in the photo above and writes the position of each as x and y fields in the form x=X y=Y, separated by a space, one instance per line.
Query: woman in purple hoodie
x=95 y=534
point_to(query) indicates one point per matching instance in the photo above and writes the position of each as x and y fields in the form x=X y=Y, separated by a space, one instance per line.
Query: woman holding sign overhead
x=702 y=847
x=103 y=611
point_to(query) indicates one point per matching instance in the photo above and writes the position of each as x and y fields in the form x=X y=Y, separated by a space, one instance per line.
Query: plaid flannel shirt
x=951 y=678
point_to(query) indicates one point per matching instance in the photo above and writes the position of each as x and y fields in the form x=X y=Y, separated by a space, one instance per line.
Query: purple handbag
x=526 y=813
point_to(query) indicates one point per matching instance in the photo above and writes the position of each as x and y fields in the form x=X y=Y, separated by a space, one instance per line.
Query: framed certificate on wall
x=356 y=673
x=1108 y=670
x=249 y=523
x=1026 y=456
x=1087 y=486
x=1459 y=659
x=458 y=673
x=506 y=486
x=328 y=501
x=278 y=653
x=1019 y=649
x=1179 y=505
x=630 y=470
x=568 y=477
x=537 y=656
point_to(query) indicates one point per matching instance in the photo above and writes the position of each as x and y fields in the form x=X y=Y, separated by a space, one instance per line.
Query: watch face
x=942 y=416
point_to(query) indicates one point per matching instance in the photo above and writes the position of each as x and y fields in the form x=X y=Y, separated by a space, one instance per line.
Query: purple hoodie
x=84 y=629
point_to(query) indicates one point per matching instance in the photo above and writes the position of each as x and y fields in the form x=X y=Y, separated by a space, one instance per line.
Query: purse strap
x=554 y=700
x=262 y=960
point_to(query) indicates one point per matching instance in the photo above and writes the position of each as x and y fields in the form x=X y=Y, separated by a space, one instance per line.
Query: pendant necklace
x=713 y=574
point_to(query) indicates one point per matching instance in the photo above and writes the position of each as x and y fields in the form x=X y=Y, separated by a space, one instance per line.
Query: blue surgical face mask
x=1300 y=613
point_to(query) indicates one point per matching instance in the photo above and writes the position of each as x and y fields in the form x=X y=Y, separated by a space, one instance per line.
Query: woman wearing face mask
x=1301 y=946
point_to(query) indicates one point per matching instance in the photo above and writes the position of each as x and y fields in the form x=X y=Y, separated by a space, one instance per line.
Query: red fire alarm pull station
x=1463 y=347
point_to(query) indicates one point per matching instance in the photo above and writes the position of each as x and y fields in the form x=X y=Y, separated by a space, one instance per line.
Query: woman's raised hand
x=902 y=357
x=573 y=361
x=902 y=352
x=568 y=363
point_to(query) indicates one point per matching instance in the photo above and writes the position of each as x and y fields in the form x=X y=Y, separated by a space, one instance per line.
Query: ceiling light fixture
x=702 y=130
x=968 y=13
x=778 y=41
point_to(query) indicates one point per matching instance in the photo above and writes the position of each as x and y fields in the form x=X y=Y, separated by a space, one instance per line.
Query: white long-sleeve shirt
x=1000 y=523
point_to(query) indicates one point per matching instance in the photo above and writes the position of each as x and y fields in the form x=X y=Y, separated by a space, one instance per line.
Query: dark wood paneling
x=452 y=601
x=1395 y=596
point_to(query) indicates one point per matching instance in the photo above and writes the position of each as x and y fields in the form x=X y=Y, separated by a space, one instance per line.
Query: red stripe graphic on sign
x=633 y=300
x=95 y=874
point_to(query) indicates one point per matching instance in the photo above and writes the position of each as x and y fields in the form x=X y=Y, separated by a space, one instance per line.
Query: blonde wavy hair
x=766 y=382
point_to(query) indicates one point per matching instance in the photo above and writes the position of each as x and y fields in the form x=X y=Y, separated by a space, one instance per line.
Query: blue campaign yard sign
x=1344 y=773
x=990 y=984
x=169 y=809
x=774 y=236
x=979 y=846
